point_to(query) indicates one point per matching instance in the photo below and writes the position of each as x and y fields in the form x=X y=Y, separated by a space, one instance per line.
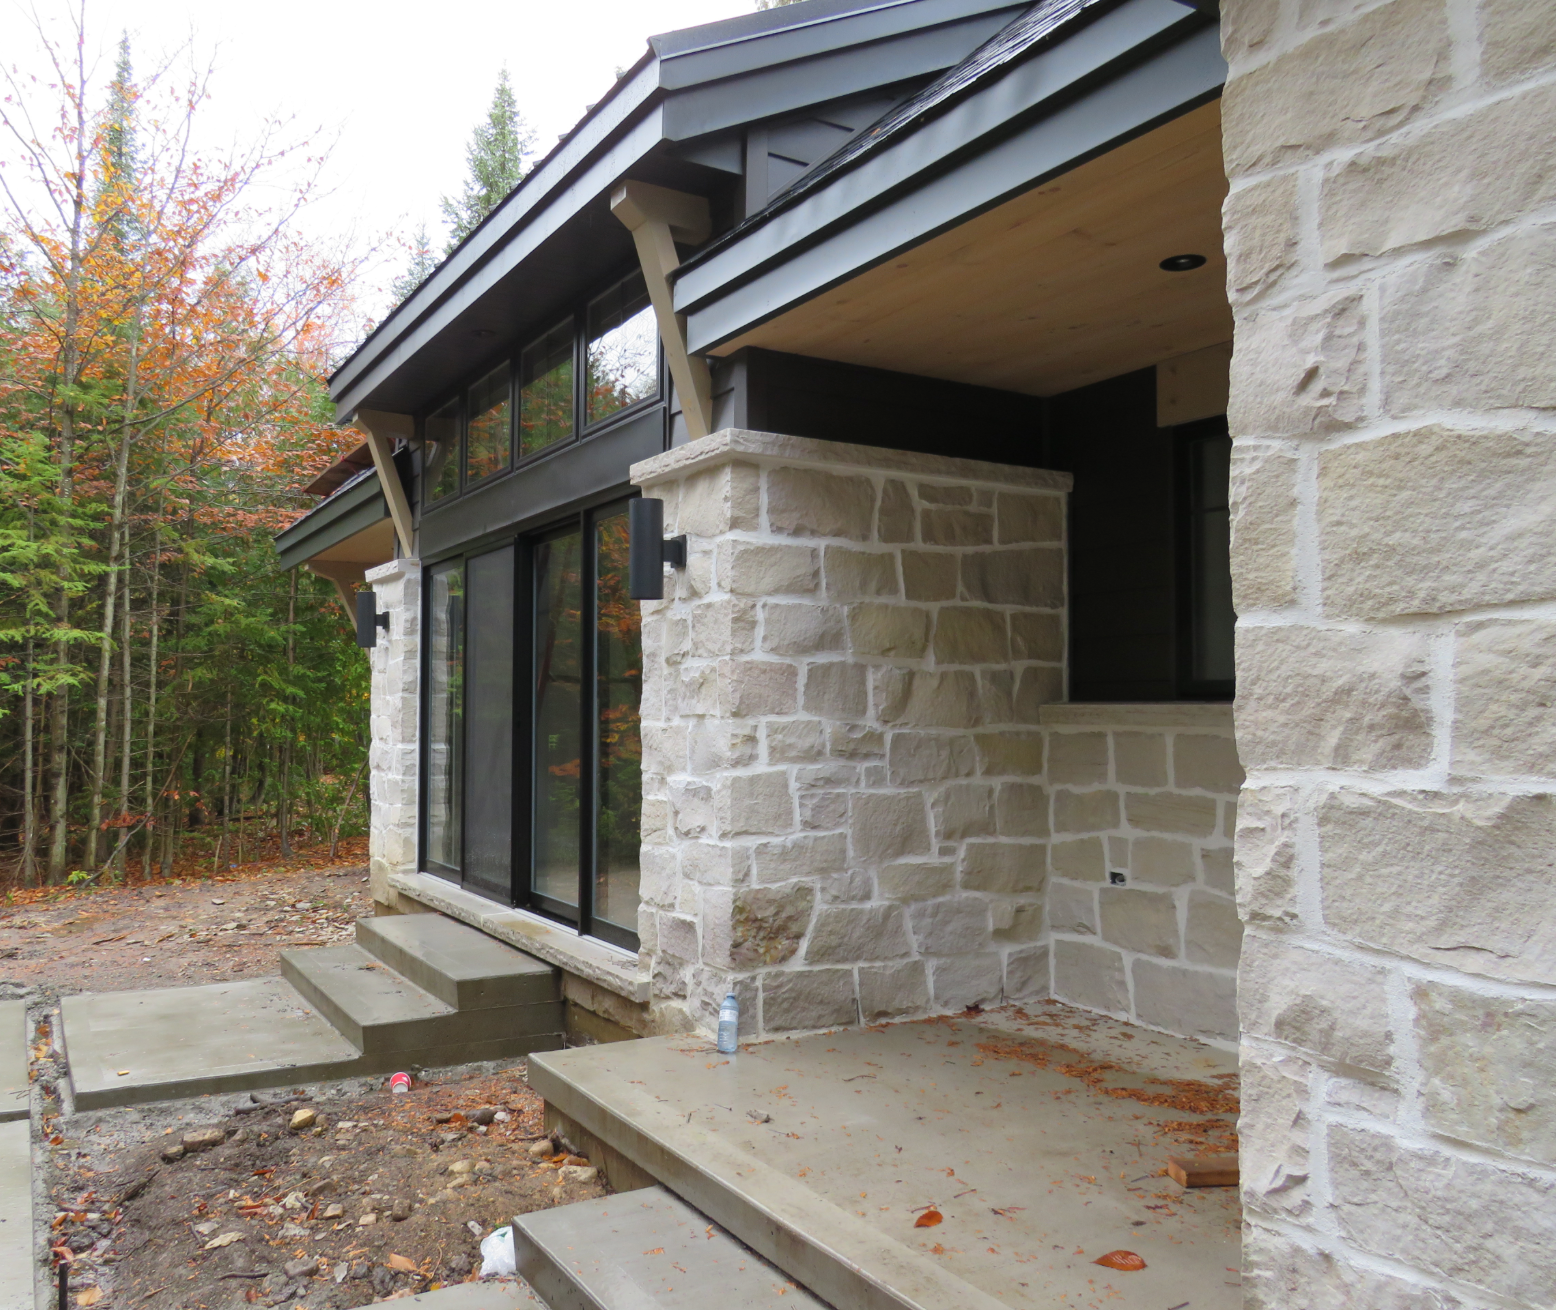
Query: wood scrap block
x=1203 y=1170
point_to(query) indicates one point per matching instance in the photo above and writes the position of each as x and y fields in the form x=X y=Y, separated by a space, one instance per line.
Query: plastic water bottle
x=729 y=1024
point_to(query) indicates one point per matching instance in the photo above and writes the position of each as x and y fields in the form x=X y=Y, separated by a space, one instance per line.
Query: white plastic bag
x=497 y=1255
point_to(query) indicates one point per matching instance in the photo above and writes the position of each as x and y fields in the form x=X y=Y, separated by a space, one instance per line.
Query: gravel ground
x=178 y=933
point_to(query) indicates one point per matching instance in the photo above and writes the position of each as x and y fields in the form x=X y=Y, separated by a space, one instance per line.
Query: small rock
x=485 y=1115
x=383 y=1281
x=203 y=1139
x=333 y=1211
x=448 y=1139
x=400 y=1210
x=367 y=1219
x=502 y=1116
x=344 y=1124
x=304 y=1118
x=442 y=1117
x=461 y=1167
x=301 y=1268
x=459 y=1180
x=360 y=1269
x=174 y=1152
x=542 y=1150
x=207 y=1228
x=293 y=1231
x=484 y=1167
x=577 y=1173
x=294 y=1201
x=342 y=1272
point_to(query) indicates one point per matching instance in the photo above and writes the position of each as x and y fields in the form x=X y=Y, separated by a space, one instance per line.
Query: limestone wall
x=1391 y=234
x=843 y=815
x=1140 y=907
x=395 y=663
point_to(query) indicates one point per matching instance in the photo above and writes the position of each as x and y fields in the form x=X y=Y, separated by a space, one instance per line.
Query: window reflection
x=619 y=752
x=623 y=356
x=441 y=469
x=546 y=391
x=486 y=434
x=1214 y=621
x=445 y=715
x=558 y=715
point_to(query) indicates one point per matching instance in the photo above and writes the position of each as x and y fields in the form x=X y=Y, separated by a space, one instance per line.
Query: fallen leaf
x=1124 y=1261
x=89 y=1296
x=402 y=1263
x=658 y=1250
x=226 y=1239
x=928 y=1219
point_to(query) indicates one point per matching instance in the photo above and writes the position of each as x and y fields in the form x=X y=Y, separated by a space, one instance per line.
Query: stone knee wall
x=396 y=665
x=844 y=817
x=1391 y=243
x=1140 y=896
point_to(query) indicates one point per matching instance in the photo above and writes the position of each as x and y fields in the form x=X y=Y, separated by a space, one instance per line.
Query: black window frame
x=574 y=314
x=520 y=893
x=1187 y=438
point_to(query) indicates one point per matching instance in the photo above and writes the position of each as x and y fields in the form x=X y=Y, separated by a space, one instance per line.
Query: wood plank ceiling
x=1054 y=289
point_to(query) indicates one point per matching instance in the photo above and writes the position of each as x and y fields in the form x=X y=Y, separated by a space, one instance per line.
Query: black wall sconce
x=650 y=550
x=369 y=620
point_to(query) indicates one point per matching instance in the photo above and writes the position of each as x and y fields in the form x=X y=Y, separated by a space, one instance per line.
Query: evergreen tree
x=496 y=154
x=418 y=269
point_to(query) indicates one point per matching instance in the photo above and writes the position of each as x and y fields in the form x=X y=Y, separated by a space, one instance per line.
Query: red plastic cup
x=401 y=1082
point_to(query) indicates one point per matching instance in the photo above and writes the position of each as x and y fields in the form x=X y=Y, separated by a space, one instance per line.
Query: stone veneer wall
x=1140 y=896
x=843 y=812
x=396 y=665
x=1391 y=239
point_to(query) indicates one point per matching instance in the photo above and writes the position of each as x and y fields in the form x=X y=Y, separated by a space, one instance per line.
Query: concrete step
x=13 y=1061
x=381 y=1012
x=471 y=1296
x=458 y=964
x=645 y=1250
x=16 y=1260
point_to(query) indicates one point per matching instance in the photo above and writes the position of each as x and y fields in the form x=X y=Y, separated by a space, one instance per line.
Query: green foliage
x=496 y=157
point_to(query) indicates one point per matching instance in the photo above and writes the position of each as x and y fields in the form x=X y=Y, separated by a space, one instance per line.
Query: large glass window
x=441 y=454
x=488 y=440
x=1210 y=620
x=445 y=715
x=533 y=756
x=546 y=391
x=623 y=350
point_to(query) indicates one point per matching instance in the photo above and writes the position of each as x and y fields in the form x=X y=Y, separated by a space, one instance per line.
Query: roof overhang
x=1114 y=74
x=350 y=532
x=553 y=235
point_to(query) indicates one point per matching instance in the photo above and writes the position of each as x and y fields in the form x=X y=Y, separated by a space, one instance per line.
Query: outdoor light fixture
x=650 y=550
x=369 y=620
x=1181 y=263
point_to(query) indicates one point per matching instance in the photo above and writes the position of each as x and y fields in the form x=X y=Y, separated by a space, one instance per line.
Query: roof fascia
x=720 y=56
x=768 y=92
x=587 y=186
x=959 y=164
x=331 y=521
x=539 y=190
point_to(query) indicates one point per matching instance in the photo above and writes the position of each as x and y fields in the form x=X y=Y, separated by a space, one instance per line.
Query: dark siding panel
x=804 y=397
x=1123 y=595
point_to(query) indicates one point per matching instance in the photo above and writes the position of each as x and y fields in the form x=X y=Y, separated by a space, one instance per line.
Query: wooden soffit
x=1049 y=291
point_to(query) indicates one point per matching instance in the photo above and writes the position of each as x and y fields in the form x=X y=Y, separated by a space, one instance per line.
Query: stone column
x=396 y=665
x=1392 y=265
x=844 y=817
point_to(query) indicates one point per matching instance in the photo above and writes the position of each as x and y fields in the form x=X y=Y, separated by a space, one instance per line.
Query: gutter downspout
x=657 y=216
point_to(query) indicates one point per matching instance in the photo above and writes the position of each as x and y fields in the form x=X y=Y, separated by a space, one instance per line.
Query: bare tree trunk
x=284 y=815
x=128 y=705
x=151 y=698
x=29 y=781
x=221 y=842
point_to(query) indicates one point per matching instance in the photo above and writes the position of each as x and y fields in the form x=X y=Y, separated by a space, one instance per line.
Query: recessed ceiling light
x=485 y=333
x=1181 y=263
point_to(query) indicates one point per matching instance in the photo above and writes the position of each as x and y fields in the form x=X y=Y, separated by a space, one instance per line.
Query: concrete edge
x=15 y=1090
x=731 y=444
x=793 y=1228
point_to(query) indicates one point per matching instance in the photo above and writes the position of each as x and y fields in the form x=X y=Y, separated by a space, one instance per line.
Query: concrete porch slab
x=127 y=1048
x=16 y=1263
x=14 y=1094
x=1040 y=1138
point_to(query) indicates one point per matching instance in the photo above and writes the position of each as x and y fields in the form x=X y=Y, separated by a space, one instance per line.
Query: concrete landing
x=1039 y=1138
x=645 y=1250
x=127 y=1048
x=460 y=965
x=16 y=1263
x=13 y=1061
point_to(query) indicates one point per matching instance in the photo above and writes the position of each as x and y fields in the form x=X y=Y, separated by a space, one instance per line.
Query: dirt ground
x=380 y=1194
x=175 y=934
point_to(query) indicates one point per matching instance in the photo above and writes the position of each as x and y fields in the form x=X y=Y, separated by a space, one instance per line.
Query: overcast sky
x=397 y=87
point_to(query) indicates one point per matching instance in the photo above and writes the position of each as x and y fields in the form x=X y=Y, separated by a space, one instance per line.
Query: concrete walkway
x=16 y=1265
x=14 y=1092
x=821 y=1153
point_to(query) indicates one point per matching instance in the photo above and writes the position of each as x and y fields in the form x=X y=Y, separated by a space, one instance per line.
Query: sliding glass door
x=533 y=761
